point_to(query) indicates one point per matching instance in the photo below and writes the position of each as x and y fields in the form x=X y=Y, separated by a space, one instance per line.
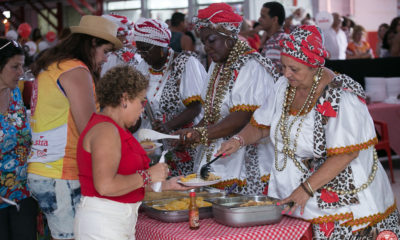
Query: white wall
x=371 y=13
x=368 y=13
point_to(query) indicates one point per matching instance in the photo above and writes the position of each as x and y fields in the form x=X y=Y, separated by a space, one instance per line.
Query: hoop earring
x=226 y=45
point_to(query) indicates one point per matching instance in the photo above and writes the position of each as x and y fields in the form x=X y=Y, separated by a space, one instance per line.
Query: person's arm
x=104 y=144
x=78 y=87
x=230 y=125
x=329 y=170
x=250 y=134
x=185 y=117
x=187 y=43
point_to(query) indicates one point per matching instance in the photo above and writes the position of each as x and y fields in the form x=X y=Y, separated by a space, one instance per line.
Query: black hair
x=9 y=48
x=177 y=18
x=276 y=10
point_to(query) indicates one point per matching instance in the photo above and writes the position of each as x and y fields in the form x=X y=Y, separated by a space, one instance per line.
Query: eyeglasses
x=15 y=43
x=141 y=51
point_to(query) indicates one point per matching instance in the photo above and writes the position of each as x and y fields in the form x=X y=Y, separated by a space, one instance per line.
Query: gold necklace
x=216 y=94
x=285 y=127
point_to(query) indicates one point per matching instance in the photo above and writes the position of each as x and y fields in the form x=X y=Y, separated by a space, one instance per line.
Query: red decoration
x=327 y=228
x=24 y=30
x=290 y=45
x=51 y=36
x=328 y=196
x=326 y=109
x=127 y=56
x=184 y=156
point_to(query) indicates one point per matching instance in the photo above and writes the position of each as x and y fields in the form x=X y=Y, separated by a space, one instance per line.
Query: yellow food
x=146 y=144
x=254 y=203
x=189 y=177
x=212 y=177
x=182 y=204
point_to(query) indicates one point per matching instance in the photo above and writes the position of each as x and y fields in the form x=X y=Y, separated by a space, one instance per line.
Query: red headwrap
x=219 y=16
x=305 y=46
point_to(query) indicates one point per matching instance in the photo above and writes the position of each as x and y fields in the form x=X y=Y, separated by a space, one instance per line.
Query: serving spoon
x=205 y=169
x=151 y=135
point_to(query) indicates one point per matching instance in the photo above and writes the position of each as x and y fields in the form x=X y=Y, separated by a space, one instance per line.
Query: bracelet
x=239 y=139
x=306 y=190
x=146 y=177
x=309 y=187
x=203 y=134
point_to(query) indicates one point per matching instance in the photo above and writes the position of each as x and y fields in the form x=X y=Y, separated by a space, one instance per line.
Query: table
x=288 y=228
x=389 y=113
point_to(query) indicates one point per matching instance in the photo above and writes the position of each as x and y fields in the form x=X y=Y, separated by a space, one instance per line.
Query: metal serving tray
x=227 y=211
x=172 y=216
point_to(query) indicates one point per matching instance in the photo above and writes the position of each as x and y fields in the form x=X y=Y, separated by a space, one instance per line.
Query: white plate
x=156 y=145
x=198 y=182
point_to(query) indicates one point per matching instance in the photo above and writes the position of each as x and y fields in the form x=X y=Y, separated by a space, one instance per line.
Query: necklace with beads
x=218 y=87
x=162 y=71
x=285 y=127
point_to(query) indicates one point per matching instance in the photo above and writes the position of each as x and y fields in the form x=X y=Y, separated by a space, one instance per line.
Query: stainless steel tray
x=172 y=216
x=227 y=211
x=205 y=192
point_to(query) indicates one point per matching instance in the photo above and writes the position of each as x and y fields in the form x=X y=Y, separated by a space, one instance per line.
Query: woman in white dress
x=240 y=80
x=176 y=81
x=326 y=168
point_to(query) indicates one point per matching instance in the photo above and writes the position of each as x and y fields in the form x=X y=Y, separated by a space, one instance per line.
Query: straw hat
x=98 y=27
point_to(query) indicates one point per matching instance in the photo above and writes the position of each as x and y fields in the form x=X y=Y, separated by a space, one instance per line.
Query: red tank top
x=133 y=158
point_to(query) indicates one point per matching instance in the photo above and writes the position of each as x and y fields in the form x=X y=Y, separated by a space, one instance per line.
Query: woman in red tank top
x=113 y=167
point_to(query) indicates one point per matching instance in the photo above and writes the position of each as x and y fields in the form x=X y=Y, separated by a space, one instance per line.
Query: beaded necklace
x=285 y=127
x=217 y=89
x=162 y=71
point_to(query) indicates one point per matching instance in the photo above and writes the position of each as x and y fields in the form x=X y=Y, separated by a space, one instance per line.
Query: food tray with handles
x=227 y=211
x=172 y=216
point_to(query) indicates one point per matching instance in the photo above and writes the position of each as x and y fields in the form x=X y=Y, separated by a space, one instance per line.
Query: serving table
x=288 y=228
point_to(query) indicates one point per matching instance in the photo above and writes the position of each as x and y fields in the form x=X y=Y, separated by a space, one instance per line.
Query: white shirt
x=335 y=43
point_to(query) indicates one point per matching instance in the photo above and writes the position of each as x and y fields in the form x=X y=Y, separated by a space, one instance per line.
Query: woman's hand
x=228 y=147
x=159 y=172
x=172 y=184
x=297 y=199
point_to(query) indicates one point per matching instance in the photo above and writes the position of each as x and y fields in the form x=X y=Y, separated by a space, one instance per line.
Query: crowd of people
x=285 y=125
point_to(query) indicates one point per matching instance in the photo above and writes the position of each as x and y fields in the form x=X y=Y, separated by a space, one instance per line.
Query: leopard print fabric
x=267 y=64
x=344 y=181
x=170 y=98
x=170 y=104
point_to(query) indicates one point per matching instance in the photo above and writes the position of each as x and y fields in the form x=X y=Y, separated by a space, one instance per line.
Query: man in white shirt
x=335 y=40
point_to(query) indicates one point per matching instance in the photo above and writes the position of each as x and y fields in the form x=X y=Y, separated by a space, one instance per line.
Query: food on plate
x=189 y=177
x=254 y=203
x=193 y=178
x=147 y=144
x=212 y=177
x=182 y=204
